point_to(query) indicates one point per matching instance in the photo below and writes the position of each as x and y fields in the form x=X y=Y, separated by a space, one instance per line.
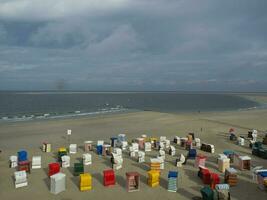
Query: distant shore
x=23 y=106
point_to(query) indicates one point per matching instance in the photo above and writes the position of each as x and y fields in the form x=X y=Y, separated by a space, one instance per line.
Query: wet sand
x=215 y=126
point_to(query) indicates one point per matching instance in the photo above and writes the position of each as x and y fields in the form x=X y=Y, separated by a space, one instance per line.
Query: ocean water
x=38 y=105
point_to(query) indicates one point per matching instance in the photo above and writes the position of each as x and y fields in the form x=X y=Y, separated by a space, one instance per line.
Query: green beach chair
x=207 y=193
x=78 y=169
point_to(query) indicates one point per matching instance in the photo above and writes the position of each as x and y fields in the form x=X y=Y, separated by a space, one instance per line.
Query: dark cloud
x=141 y=44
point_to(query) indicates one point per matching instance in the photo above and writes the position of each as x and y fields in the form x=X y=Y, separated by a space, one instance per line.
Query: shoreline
x=121 y=112
x=259 y=100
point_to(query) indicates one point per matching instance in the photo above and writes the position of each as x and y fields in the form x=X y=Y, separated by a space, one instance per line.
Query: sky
x=163 y=45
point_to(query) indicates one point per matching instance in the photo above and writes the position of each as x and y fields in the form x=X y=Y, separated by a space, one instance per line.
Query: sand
x=215 y=125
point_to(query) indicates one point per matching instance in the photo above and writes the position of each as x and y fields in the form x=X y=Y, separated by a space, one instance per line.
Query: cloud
x=34 y=10
x=61 y=34
x=133 y=44
x=121 y=41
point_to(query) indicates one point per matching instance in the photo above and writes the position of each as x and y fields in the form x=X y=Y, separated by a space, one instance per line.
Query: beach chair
x=162 y=153
x=132 y=181
x=255 y=170
x=200 y=160
x=65 y=161
x=36 y=162
x=153 y=178
x=57 y=183
x=223 y=163
x=230 y=176
x=172 y=150
x=113 y=141
x=22 y=156
x=222 y=192
x=20 y=179
x=177 y=140
x=78 y=169
x=197 y=143
x=180 y=161
x=192 y=154
x=87 y=159
x=148 y=147
x=85 y=182
x=141 y=156
x=24 y=166
x=207 y=193
x=73 y=148
x=109 y=178
x=13 y=161
x=53 y=168
x=61 y=152
x=172 y=181
x=88 y=146
x=242 y=162
x=46 y=147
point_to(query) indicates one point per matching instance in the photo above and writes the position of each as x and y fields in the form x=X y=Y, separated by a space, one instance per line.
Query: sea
x=23 y=106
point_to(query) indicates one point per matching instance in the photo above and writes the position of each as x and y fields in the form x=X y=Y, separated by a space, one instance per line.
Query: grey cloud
x=141 y=44
x=121 y=41
x=39 y=10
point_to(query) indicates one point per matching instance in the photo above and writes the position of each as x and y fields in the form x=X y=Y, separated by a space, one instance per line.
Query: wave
x=62 y=116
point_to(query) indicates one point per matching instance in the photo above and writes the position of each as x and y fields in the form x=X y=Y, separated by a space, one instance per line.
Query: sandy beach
x=215 y=126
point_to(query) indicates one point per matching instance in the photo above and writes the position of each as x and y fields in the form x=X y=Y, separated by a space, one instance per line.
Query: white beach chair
x=73 y=148
x=20 y=179
x=36 y=162
x=13 y=161
x=180 y=161
x=65 y=161
x=141 y=156
x=87 y=159
x=57 y=183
